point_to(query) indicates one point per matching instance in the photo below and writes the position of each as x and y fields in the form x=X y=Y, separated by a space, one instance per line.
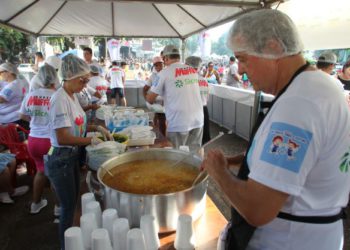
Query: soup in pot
x=151 y=177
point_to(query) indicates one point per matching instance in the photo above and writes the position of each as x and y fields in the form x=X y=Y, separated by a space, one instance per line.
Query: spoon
x=203 y=146
x=109 y=172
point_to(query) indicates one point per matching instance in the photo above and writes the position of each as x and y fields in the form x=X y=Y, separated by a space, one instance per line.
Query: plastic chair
x=10 y=138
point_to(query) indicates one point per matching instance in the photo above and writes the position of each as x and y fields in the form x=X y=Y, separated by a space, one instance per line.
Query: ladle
x=203 y=146
x=202 y=173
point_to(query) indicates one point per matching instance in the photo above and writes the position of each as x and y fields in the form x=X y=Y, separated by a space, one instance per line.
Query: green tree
x=192 y=44
x=12 y=44
x=64 y=43
x=220 y=47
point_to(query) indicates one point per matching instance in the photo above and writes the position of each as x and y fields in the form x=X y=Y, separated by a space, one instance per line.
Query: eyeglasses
x=84 y=80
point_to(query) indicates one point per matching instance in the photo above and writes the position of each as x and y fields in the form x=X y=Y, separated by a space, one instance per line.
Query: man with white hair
x=294 y=179
x=178 y=85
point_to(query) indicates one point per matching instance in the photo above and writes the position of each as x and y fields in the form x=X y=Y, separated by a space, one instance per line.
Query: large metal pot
x=164 y=207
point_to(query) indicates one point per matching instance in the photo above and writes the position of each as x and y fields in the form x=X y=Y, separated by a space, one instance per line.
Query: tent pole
x=183 y=48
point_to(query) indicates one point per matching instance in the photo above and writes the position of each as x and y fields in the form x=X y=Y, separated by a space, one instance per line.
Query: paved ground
x=21 y=231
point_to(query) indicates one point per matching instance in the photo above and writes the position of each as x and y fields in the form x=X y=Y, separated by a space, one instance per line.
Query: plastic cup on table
x=95 y=208
x=150 y=232
x=184 y=239
x=135 y=240
x=87 y=224
x=85 y=199
x=120 y=231
x=100 y=240
x=108 y=217
x=73 y=239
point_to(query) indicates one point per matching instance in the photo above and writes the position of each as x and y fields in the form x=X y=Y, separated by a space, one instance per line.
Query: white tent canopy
x=322 y=24
x=122 y=18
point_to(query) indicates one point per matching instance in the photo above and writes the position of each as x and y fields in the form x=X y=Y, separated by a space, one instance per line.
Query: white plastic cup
x=95 y=208
x=184 y=239
x=100 y=239
x=150 y=232
x=120 y=231
x=135 y=240
x=87 y=224
x=73 y=239
x=108 y=218
x=85 y=199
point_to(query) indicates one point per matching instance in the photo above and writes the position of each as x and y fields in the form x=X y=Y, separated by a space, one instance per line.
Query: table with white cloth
x=232 y=108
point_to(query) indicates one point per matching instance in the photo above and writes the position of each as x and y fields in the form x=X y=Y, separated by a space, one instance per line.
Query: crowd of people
x=297 y=154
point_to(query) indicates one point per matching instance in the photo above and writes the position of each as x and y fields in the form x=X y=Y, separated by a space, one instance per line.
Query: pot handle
x=90 y=180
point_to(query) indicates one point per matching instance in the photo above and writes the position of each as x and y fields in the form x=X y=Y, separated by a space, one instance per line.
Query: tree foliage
x=64 y=43
x=12 y=44
x=220 y=47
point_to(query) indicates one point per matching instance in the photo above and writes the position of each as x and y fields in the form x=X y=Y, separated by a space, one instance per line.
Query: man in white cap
x=178 y=85
x=326 y=62
x=11 y=95
x=53 y=61
x=159 y=116
x=294 y=179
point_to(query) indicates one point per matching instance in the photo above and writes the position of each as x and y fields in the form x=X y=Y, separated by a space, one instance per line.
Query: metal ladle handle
x=204 y=145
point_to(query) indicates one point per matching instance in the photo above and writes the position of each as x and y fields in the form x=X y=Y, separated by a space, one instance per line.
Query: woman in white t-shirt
x=11 y=95
x=68 y=126
x=35 y=108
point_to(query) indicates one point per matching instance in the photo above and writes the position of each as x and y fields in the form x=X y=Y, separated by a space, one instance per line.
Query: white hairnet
x=193 y=61
x=265 y=33
x=47 y=75
x=73 y=67
x=9 y=67
x=54 y=61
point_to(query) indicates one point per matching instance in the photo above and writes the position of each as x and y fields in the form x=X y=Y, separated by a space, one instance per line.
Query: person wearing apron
x=290 y=196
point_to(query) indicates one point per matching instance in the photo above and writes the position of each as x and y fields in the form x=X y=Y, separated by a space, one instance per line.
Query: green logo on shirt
x=179 y=84
x=344 y=166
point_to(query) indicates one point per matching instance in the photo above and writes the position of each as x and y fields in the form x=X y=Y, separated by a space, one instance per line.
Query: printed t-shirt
x=13 y=93
x=178 y=85
x=302 y=149
x=37 y=105
x=66 y=113
x=204 y=89
x=100 y=85
x=116 y=74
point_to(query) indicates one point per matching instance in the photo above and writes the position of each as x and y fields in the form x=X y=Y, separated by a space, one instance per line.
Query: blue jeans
x=62 y=169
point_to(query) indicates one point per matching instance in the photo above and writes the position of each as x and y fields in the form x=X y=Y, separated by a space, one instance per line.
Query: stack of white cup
x=115 y=232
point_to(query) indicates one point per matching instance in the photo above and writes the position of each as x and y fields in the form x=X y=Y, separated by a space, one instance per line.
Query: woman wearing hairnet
x=68 y=126
x=11 y=95
x=294 y=179
x=35 y=108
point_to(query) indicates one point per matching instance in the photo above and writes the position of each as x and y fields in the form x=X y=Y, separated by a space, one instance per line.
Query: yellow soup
x=151 y=177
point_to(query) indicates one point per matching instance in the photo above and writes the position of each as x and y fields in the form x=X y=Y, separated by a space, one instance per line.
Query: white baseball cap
x=170 y=50
x=328 y=57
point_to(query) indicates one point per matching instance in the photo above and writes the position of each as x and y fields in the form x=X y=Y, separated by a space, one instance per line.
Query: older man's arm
x=257 y=203
x=151 y=97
